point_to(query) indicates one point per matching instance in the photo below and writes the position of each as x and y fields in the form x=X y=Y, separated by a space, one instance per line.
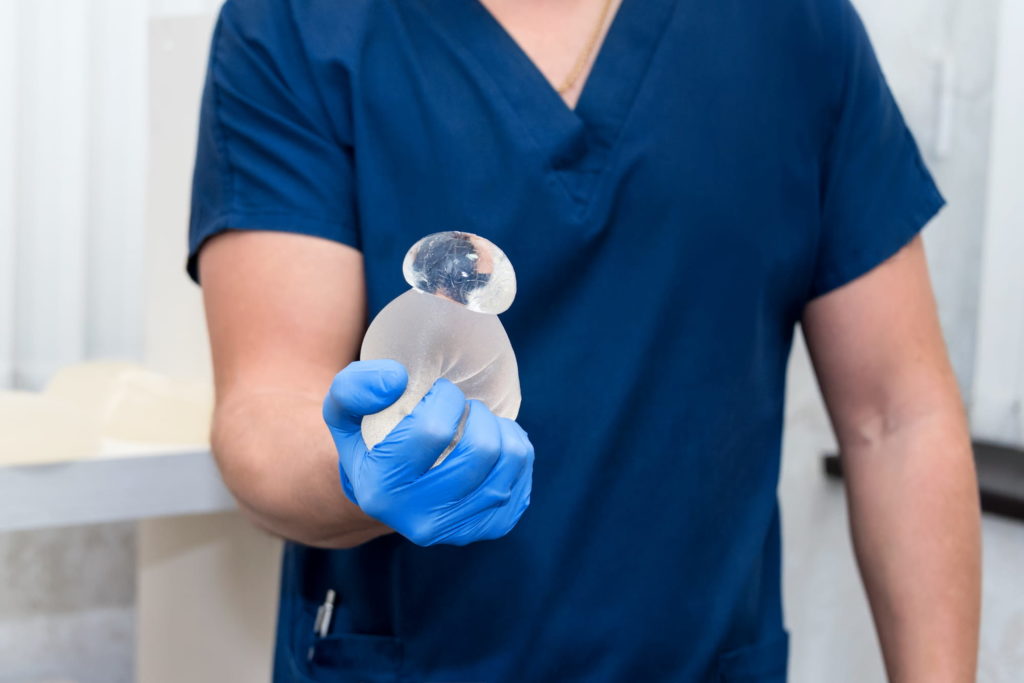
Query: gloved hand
x=477 y=493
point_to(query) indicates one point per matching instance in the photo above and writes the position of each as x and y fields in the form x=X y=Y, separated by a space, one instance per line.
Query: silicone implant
x=447 y=326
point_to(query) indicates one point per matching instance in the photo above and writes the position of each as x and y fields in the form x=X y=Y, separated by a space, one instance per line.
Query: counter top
x=111 y=488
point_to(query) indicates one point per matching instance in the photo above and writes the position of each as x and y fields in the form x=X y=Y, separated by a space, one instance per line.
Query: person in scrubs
x=678 y=185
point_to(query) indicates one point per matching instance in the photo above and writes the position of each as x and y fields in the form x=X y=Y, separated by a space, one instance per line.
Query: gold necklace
x=588 y=49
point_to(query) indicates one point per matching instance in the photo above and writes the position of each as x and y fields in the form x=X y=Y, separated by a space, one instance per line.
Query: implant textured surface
x=434 y=337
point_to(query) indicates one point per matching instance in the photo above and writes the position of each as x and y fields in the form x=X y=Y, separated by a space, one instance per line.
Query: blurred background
x=133 y=566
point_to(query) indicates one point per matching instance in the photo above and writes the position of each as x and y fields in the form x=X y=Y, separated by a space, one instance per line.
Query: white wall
x=998 y=405
x=174 y=326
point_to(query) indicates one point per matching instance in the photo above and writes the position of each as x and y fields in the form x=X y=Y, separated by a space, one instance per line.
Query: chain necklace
x=588 y=50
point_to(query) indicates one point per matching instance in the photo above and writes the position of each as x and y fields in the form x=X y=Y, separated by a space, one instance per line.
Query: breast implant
x=447 y=326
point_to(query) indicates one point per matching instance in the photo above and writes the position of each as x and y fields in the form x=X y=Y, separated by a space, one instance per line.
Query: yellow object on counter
x=36 y=428
x=131 y=403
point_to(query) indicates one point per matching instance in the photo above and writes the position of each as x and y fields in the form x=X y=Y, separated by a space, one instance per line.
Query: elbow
x=241 y=469
x=254 y=478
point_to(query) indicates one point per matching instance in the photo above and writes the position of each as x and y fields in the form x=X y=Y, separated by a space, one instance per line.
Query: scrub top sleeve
x=876 y=193
x=268 y=157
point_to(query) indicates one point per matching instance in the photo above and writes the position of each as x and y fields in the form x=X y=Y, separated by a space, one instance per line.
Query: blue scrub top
x=727 y=162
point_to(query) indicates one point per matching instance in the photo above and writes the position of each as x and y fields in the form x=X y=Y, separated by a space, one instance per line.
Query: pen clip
x=322 y=622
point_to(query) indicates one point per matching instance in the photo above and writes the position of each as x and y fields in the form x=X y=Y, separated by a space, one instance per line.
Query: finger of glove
x=362 y=388
x=499 y=487
x=491 y=523
x=414 y=445
x=505 y=517
x=473 y=458
x=517 y=451
x=483 y=517
x=520 y=498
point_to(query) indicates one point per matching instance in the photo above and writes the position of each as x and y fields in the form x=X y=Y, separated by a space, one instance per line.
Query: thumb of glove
x=361 y=389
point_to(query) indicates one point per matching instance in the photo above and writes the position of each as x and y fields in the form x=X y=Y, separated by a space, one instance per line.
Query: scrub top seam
x=311 y=74
x=258 y=216
x=862 y=261
x=225 y=221
x=835 y=117
x=220 y=134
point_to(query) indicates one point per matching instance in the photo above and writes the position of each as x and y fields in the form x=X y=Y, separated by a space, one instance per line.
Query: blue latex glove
x=478 y=492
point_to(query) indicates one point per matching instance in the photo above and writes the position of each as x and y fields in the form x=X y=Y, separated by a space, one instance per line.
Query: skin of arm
x=285 y=313
x=881 y=362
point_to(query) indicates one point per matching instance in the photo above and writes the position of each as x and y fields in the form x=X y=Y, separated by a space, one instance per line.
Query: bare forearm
x=915 y=522
x=278 y=459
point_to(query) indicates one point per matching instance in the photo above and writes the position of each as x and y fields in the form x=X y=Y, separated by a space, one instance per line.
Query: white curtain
x=73 y=140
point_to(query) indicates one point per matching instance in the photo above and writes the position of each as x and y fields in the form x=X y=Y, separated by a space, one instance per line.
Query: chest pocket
x=340 y=657
x=762 y=662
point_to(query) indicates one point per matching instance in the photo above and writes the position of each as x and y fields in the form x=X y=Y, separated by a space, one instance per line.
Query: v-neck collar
x=576 y=140
x=496 y=38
